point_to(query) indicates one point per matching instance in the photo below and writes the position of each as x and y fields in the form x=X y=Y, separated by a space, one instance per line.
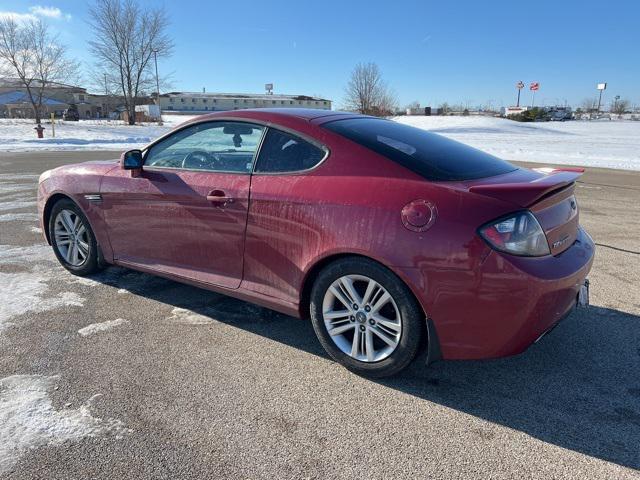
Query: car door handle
x=219 y=197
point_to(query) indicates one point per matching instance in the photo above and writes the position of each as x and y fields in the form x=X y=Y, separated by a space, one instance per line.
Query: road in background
x=171 y=381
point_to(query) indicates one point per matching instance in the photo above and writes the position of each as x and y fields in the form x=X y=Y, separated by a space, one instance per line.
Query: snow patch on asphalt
x=35 y=229
x=16 y=205
x=18 y=176
x=28 y=419
x=12 y=254
x=25 y=292
x=19 y=217
x=14 y=188
x=101 y=327
x=188 y=317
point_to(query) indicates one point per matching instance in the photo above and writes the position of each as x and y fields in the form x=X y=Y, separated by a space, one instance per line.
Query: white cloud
x=35 y=12
x=51 y=12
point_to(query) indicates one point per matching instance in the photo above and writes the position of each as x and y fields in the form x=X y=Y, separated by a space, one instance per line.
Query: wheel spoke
x=370 y=352
x=389 y=324
x=74 y=255
x=355 y=345
x=333 y=314
x=68 y=253
x=66 y=221
x=63 y=242
x=81 y=230
x=383 y=336
x=371 y=287
x=341 y=298
x=347 y=286
x=341 y=329
x=380 y=302
x=84 y=248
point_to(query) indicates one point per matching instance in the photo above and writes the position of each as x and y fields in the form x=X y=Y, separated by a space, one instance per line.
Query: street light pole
x=601 y=87
x=155 y=59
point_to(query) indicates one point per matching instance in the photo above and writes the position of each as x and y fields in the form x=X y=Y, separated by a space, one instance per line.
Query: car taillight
x=518 y=234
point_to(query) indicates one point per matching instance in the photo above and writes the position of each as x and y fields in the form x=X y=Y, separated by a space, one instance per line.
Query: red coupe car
x=380 y=233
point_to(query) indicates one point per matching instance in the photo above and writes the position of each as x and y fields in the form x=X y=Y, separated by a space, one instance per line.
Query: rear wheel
x=72 y=239
x=365 y=317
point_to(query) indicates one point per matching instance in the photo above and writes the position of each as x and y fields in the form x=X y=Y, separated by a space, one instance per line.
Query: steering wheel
x=199 y=159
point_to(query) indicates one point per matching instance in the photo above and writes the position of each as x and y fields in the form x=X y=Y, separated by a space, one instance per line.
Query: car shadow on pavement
x=578 y=388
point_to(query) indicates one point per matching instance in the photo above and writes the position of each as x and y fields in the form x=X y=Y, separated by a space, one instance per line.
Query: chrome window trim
x=261 y=123
x=171 y=132
x=295 y=133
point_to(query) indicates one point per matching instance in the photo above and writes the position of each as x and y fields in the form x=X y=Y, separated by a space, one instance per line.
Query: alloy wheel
x=72 y=237
x=362 y=318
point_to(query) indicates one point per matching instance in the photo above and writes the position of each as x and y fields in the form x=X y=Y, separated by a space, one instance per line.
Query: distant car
x=381 y=233
x=71 y=114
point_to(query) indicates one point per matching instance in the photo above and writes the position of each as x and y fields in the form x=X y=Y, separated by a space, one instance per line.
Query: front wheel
x=365 y=317
x=72 y=239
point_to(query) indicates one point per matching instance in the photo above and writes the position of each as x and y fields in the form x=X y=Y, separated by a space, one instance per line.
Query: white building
x=215 y=102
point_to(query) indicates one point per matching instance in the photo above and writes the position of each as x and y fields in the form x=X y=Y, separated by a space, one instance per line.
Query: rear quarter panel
x=352 y=204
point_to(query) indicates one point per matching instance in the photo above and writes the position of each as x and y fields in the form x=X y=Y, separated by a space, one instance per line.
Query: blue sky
x=430 y=51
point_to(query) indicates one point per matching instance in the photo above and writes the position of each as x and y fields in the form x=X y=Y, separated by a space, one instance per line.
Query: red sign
x=534 y=86
x=520 y=85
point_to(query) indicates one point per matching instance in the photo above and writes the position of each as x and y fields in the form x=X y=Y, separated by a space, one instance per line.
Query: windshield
x=432 y=156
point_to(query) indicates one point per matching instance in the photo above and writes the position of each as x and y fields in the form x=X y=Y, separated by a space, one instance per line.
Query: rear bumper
x=507 y=303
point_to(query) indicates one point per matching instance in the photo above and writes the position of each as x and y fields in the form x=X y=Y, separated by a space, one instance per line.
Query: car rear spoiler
x=526 y=194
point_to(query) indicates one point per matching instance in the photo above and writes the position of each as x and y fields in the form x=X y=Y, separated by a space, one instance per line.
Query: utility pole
x=519 y=86
x=155 y=59
x=602 y=87
x=105 y=113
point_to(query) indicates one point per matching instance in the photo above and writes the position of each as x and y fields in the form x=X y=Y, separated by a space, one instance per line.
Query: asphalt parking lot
x=190 y=384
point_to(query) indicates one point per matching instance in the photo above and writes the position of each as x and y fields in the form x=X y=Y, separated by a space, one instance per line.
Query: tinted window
x=430 y=155
x=283 y=152
x=214 y=146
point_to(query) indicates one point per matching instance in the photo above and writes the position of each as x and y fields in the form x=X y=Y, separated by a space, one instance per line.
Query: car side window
x=283 y=152
x=210 y=146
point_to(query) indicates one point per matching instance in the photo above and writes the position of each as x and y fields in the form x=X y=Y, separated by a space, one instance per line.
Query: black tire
x=412 y=317
x=91 y=262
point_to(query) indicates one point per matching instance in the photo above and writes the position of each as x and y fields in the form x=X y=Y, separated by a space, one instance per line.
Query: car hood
x=93 y=167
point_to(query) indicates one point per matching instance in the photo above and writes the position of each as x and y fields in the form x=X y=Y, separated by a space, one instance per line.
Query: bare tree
x=126 y=37
x=367 y=92
x=619 y=107
x=589 y=105
x=35 y=57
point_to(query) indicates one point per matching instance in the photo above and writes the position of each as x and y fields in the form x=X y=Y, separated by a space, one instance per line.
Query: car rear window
x=432 y=156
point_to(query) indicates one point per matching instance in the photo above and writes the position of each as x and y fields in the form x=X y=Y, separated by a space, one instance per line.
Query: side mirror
x=131 y=160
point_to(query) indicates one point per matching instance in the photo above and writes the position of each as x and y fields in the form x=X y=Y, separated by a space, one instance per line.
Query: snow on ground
x=101 y=327
x=28 y=289
x=29 y=420
x=607 y=144
x=20 y=136
x=188 y=317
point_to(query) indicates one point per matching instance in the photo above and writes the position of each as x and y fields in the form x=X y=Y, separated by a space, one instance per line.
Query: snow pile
x=29 y=420
x=606 y=144
x=101 y=327
x=19 y=135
